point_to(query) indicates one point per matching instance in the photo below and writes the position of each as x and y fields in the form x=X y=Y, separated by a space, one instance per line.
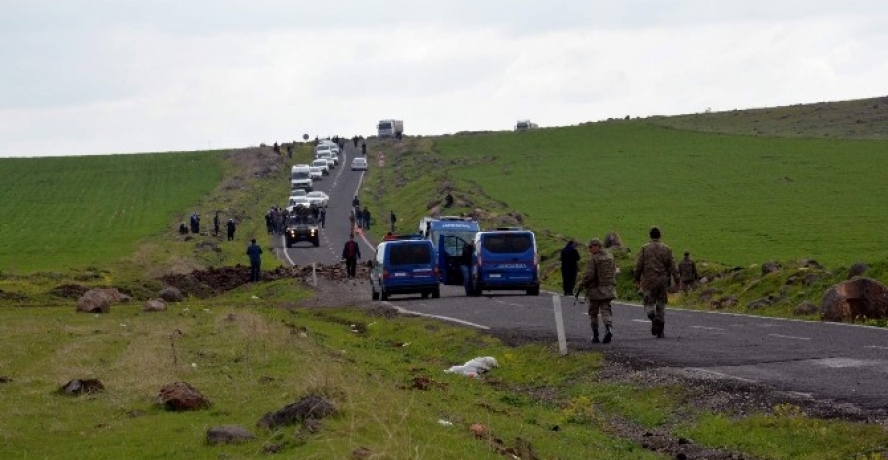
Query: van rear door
x=409 y=264
x=508 y=258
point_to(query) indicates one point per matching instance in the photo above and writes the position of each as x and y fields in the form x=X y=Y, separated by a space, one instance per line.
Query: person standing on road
x=366 y=218
x=322 y=217
x=231 y=227
x=465 y=265
x=600 y=281
x=364 y=148
x=351 y=253
x=255 y=252
x=687 y=271
x=393 y=219
x=654 y=267
x=570 y=259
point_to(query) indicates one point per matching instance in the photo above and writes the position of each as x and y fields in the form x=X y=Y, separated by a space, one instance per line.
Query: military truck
x=301 y=226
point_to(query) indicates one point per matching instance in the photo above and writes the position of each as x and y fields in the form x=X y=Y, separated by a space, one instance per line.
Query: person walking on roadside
x=351 y=252
x=230 y=227
x=654 y=267
x=570 y=260
x=466 y=260
x=393 y=219
x=687 y=271
x=364 y=148
x=255 y=252
x=322 y=217
x=600 y=281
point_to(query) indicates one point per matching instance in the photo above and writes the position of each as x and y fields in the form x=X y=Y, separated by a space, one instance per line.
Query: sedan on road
x=318 y=198
x=359 y=164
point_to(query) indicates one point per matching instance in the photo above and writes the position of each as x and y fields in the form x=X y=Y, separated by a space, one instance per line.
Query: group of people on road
x=654 y=269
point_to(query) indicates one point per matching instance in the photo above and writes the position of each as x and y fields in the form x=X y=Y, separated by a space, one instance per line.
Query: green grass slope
x=735 y=199
x=66 y=212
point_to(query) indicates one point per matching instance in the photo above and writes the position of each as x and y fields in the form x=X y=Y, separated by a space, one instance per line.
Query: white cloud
x=93 y=76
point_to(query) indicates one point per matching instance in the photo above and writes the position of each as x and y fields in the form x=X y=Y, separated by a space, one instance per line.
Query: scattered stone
x=312 y=426
x=154 y=305
x=479 y=430
x=69 y=291
x=812 y=279
x=229 y=434
x=857 y=269
x=4 y=379
x=613 y=240
x=810 y=263
x=805 y=308
x=770 y=267
x=857 y=298
x=82 y=386
x=361 y=453
x=313 y=407
x=171 y=294
x=181 y=396
x=759 y=303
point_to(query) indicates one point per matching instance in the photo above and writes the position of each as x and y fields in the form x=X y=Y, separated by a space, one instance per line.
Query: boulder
x=229 y=434
x=181 y=396
x=171 y=294
x=155 y=305
x=94 y=301
x=857 y=298
x=857 y=269
x=759 y=303
x=612 y=240
x=311 y=407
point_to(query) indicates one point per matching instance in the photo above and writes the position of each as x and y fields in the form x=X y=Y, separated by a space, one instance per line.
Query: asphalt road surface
x=826 y=361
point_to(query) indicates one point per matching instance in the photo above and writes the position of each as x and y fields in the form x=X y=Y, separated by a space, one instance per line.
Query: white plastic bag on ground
x=475 y=367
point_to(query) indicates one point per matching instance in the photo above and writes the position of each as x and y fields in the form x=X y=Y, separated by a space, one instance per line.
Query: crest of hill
x=854 y=119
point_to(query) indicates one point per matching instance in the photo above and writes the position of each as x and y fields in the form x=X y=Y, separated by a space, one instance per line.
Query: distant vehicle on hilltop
x=390 y=128
x=524 y=125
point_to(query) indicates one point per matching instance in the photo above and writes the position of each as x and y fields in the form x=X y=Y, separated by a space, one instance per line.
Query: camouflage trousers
x=603 y=307
x=655 y=302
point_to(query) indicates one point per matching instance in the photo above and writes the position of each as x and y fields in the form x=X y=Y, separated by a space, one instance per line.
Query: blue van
x=448 y=235
x=506 y=260
x=404 y=267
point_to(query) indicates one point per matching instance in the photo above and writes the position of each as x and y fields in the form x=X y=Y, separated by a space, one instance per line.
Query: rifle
x=577 y=296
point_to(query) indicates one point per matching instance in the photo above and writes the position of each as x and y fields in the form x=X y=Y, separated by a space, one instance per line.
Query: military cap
x=595 y=242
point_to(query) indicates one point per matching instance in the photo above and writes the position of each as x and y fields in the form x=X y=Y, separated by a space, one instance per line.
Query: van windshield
x=410 y=254
x=385 y=125
x=506 y=243
x=302 y=175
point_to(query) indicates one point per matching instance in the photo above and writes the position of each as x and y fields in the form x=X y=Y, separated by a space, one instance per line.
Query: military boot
x=595 y=334
x=660 y=326
x=608 y=333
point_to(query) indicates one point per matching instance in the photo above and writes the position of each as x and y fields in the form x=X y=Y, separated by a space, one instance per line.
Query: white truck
x=390 y=128
x=300 y=178
x=524 y=125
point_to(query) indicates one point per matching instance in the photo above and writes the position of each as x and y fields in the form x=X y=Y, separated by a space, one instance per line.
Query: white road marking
x=876 y=346
x=640 y=320
x=840 y=363
x=781 y=336
x=707 y=328
x=444 y=318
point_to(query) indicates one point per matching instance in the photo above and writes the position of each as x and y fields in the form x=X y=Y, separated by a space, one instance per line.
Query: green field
x=734 y=199
x=66 y=212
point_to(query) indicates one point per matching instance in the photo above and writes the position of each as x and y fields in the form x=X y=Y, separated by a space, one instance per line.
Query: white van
x=300 y=178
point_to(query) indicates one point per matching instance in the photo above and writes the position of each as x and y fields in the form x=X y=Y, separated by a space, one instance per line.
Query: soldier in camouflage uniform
x=600 y=282
x=687 y=270
x=654 y=267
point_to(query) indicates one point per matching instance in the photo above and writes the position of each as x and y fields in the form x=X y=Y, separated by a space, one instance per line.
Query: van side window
x=507 y=243
x=410 y=254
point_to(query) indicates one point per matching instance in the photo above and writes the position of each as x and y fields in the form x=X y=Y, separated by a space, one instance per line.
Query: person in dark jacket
x=465 y=265
x=351 y=252
x=216 y=224
x=366 y=218
x=322 y=217
x=254 y=252
x=231 y=228
x=570 y=259
x=393 y=219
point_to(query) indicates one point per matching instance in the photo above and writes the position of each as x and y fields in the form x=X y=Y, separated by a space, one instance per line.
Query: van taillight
x=385 y=274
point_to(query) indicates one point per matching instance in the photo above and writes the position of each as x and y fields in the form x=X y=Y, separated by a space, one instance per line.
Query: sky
x=81 y=77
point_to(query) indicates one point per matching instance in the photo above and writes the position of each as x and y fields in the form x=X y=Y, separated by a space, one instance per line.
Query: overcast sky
x=120 y=76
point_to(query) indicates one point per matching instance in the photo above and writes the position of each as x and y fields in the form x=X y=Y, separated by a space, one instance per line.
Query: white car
x=318 y=198
x=322 y=149
x=298 y=193
x=317 y=173
x=321 y=163
x=359 y=164
x=327 y=156
x=298 y=201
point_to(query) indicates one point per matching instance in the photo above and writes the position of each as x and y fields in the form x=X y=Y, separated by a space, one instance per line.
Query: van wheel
x=374 y=295
x=436 y=293
x=476 y=289
x=383 y=296
x=534 y=291
x=317 y=243
x=425 y=295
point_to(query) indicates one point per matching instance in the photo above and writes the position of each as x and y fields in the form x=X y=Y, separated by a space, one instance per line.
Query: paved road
x=825 y=360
